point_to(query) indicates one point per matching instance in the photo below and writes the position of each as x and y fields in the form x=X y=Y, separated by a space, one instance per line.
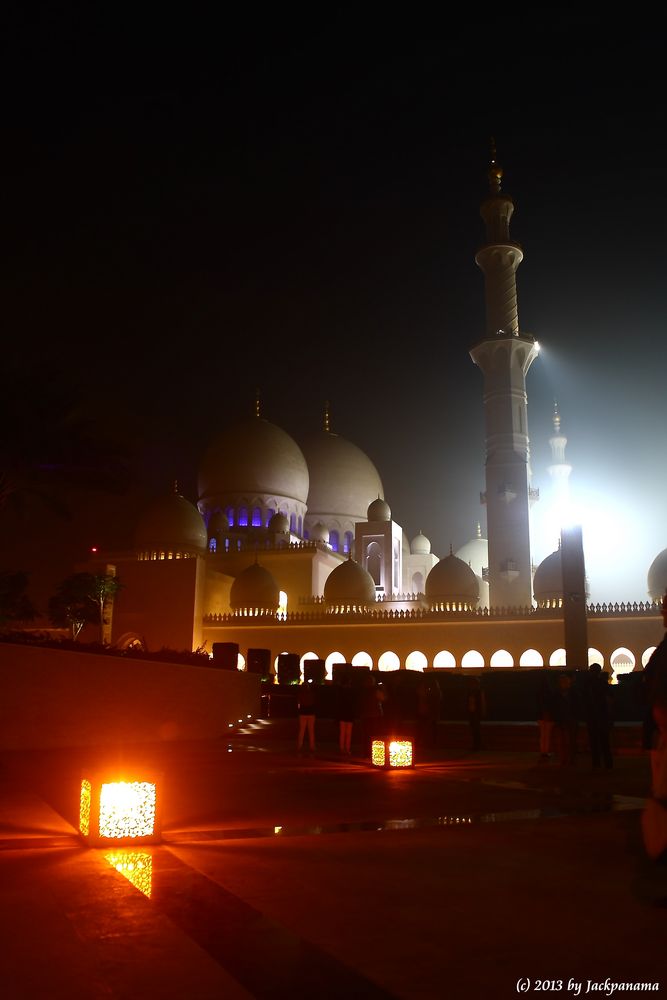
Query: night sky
x=196 y=208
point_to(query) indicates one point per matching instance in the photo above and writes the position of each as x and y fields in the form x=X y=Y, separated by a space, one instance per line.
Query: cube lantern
x=392 y=753
x=119 y=811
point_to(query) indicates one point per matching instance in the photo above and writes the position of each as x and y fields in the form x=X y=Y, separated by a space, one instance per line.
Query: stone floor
x=280 y=875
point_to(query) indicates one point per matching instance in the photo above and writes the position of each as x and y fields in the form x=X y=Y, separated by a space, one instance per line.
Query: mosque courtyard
x=471 y=875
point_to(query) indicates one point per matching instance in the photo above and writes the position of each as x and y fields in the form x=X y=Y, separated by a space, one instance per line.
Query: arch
x=444 y=660
x=416 y=660
x=389 y=661
x=557 y=658
x=531 y=658
x=275 y=662
x=472 y=659
x=131 y=640
x=362 y=659
x=282 y=604
x=240 y=662
x=307 y=656
x=256 y=517
x=212 y=545
x=329 y=663
x=647 y=654
x=334 y=540
x=501 y=658
x=300 y=526
x=595 y=656
x=292 y=523
x=417 y=583
x=243 y=517
x=230 y=516
x=621 y=661
x=347 y=542
x=374 y=562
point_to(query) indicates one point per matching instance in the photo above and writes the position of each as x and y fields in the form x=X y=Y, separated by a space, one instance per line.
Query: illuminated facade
x=256 y=561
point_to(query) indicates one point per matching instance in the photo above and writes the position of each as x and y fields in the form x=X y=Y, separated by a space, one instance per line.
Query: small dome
x=349 y=583
x=548 y=579
x=319 y=533
x=420 y=545
x=218 y=524
x=452 y=580
x=379 y=510
x=279 y=523
x=475 y=553
x=657 y=576
x=255 y=588
x=172 y=524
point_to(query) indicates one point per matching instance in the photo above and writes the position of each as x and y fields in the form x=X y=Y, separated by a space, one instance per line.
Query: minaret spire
x=559 y=471
x=504 y=356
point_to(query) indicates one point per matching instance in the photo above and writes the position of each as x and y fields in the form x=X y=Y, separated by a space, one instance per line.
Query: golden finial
x=495 y=171
x=257 y=406
x=176 y=486
x=327 y=425
x=479 y=530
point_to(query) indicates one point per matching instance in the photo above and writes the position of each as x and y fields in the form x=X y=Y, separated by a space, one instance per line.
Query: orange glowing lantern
x=119 y=812
x=392 y=753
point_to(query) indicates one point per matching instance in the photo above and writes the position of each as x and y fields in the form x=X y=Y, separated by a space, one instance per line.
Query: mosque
x=291 y=547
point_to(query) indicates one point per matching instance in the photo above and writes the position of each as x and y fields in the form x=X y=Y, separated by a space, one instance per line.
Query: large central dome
x=254 y=462
x=343 y=481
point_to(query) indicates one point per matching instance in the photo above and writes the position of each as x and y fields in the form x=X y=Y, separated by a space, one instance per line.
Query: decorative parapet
x=442 y=613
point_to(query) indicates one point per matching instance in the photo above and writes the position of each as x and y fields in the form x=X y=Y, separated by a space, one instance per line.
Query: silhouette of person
x=306 y=709
x=476 y=711
x=565 y=718
x=347 y=713
x=545 y=714
x=598 y=711
x=655 y=683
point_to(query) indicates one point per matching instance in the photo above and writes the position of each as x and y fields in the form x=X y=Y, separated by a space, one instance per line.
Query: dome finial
x=327 y=424
x=176 y=486
x=495 y=172
x=451 y=550
x=257 y=404
x=479 y=530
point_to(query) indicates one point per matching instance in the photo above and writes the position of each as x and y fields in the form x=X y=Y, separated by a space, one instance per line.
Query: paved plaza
x=280 y=875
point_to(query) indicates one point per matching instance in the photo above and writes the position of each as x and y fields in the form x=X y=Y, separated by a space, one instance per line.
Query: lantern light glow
x=392 y=753
x=123 y=811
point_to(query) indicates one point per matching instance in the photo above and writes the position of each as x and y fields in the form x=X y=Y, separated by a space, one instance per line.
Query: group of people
x=561 y=708
x=364 y=706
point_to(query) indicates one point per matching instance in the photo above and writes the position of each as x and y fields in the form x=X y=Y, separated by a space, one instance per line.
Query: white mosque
x=291 y=547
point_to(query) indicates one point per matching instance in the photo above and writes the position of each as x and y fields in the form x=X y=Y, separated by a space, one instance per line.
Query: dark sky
x=199 y=206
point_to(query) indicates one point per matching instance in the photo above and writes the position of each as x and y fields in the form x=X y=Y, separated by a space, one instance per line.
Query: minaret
x=504 y=356
x=559 y=471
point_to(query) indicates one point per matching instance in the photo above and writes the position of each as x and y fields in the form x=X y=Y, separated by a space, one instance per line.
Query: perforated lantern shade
x=120 y=811
x=392 y=753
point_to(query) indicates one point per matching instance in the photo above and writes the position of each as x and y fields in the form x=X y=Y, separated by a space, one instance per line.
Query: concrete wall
x=51 y=698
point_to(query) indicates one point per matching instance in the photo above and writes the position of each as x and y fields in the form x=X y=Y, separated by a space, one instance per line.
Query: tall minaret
x=559 y=471
x=504 y=356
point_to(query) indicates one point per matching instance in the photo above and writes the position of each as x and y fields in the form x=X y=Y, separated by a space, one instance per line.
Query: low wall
x=51 y=698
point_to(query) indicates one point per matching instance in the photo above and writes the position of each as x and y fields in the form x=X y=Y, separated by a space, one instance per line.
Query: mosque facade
x=291 y=547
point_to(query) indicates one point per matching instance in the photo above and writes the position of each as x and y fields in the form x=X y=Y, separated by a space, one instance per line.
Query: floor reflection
x=135 y=866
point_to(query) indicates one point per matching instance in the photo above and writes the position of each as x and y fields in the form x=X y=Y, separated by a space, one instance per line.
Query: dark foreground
x=474 y=875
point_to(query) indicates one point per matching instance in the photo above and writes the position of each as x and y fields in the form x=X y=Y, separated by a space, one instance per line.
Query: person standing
x=655 y=683
x=306 y=709
x=476 y=711
x=347 y=705
x=565 y=718
x=545 y=715
x=597 y=704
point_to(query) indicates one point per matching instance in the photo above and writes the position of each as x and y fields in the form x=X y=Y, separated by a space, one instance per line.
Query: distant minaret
x=504 y=356
x=559 y=471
